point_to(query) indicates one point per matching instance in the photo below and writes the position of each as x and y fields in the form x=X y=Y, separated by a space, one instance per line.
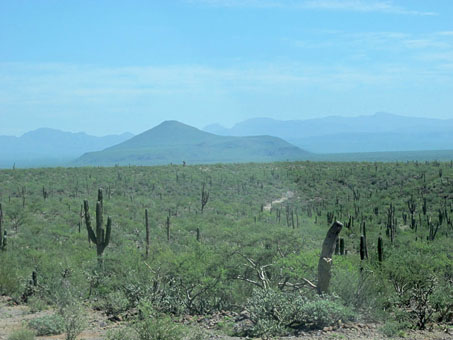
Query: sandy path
x=287 y=195
x=12 y=317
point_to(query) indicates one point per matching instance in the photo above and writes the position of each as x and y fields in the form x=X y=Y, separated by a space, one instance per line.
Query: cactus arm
x=99 y=220
x=107 y=232
x=91 y=233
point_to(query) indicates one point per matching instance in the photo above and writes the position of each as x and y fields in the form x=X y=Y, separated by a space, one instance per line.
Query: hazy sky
x=114 y=66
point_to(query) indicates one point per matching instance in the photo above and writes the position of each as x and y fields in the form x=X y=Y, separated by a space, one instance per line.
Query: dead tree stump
x=325 y=260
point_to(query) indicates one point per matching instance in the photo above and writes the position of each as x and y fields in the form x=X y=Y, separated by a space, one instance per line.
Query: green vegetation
x=47 y=325
x=386 y=156
x=22 y=334
x=211 y=242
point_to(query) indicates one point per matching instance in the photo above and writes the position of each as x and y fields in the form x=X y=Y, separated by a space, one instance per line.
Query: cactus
x=147 y=233
x=101 y=237
x=380 y=248
x=432 y=230
x=412 y=207
x=34 y=279
x=391 y=223
x=330 y=217
x=204 y=197
x=364 y=239
x=168 y=228
x=362 y=248
x=350 y=222
x=3 y=235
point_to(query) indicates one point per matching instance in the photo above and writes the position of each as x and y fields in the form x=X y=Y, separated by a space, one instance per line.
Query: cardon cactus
x=3 y=235
x=101 y=237
x=380 y=249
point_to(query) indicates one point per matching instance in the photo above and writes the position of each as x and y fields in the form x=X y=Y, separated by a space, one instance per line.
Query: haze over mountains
x=375 y=133
x=175 y=142
x=48 y=147
x=380 y=137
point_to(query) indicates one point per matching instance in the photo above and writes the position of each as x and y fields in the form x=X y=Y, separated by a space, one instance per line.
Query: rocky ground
x=13 y=316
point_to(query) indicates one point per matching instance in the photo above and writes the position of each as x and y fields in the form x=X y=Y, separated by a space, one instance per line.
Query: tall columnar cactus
x=204 y=197
x=380 y=248
x=391 y=223
x=350 y=223
x=364 y=239
x=3 y=235
x=330 y=217
x=342 y=250
x=167 y=224
x=147 y=232
x=411 y=204
x=101 y=237
x=362 y=247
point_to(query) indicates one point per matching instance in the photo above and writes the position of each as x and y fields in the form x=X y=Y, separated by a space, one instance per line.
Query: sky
x=107 y=66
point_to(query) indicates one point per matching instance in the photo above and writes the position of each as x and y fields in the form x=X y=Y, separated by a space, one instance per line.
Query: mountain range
x=175 y=142
x=380 y=137
x=380 y=132
x=49 y=147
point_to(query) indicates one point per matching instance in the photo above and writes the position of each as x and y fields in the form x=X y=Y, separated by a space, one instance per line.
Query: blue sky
x=113 y=66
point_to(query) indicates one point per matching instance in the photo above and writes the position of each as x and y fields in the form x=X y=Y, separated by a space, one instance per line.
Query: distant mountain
x=45 y=146
x=378 y=132
x=217 y=129
x=174 y=142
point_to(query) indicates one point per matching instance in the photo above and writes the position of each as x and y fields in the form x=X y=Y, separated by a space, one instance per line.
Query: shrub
x=279 y=313
x=321 y=312
x=393 y=328
x=22 y=334
x=9 y=278
x=153 y=326
x=115 y=303
x=36 y=304
x=47 y=325
x=122 y=334
x=74 y=320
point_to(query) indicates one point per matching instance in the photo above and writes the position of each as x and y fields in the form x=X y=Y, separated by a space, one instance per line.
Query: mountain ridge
x=175 y=142
x=388 y=132
x=48 y=146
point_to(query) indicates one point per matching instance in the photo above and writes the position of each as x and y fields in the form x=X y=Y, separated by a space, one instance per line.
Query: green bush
x=74 y=320
x=154 y=326
x=122 y=334
x=36 y=304
x=115 y=303
x=279 y=313
x=47 y=325
x=22 y=334
x=321 y=312
x=9 y=278
x=393 y=328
